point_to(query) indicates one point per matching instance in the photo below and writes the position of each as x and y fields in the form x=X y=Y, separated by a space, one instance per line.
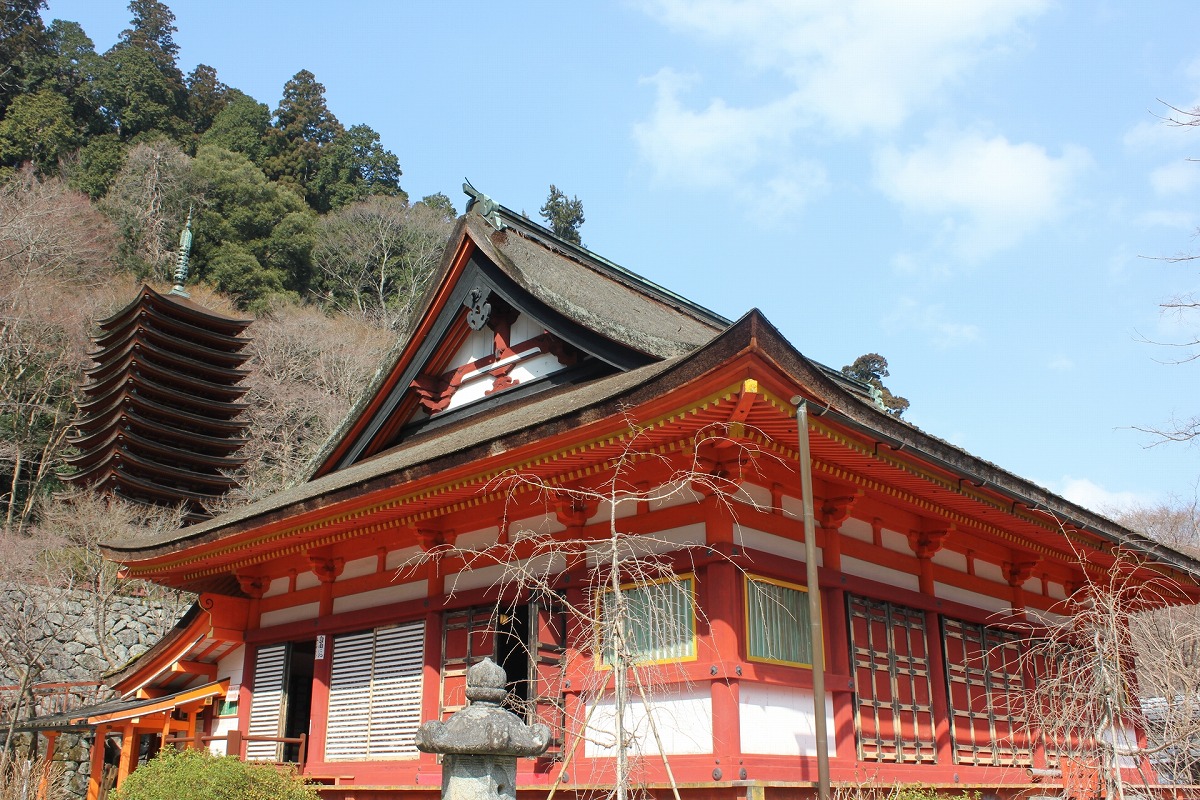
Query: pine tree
x=564 y=216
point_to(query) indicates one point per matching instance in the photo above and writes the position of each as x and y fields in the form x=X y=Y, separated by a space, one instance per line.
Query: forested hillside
x=300 y=221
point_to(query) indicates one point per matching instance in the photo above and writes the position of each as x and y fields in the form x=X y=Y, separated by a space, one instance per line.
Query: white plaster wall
x=625 y=508
x=403 y=558
x=652 y=543
x=1033 y=585
x=524 y=328
x=535 y=366
x=754 y=495
x=478 y=344
x=500 y=575
x=752 y=539
x=230 y=666
x=878 y=572
x=895 y=541
x=669 y=495
x=986 y=602
x=290 y=614
x=950 y=560
x=539 y=525
x=307 y=580
x=278 y=586
x=397 y=593
x=359 y=567
x=1056 y=590
x=222 y=727
x=858 y=529
x=779 y=720
x=477 y=540
x=683 y=716
x=990 y=572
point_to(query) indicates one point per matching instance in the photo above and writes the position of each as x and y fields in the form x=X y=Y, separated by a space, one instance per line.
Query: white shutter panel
x=266 y=701
x=375 y=693
x=396 y=692
x=349 y=696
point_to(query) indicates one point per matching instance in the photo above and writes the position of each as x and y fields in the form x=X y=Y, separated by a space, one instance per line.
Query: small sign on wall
x=320 y=654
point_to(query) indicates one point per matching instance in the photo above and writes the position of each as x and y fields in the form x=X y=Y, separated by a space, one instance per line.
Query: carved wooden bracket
x=925 y=543
x=834 y=511
x=1017 y=572
x=429 y=538
x=574 y=512
x=253 y=586
x=326 y=569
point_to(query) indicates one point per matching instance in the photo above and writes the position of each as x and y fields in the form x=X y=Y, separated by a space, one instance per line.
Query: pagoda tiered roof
x=158 y=421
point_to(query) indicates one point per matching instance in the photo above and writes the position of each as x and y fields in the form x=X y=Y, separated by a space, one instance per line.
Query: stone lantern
x=481 y=743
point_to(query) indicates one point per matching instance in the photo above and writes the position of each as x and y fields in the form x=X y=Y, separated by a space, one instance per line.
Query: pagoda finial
x=185 y=250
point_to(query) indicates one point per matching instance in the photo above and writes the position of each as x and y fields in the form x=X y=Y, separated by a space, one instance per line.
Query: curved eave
x=182 y=344
x=135 y=487
x=129 y=418
x=142 y=350
x=126 y=439
x=206 y=426
x=153 y=318
x=187 y=309
x=181 y=381
x=144 y=385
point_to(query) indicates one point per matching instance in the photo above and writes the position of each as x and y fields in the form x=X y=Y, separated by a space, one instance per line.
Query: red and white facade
x=522 y=425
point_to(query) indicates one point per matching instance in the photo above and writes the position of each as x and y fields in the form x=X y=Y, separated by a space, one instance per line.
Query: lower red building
x=560 y=439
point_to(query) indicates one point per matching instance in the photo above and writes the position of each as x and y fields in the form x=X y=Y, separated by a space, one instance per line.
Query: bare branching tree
x=374 y=258
x=1119 y=656
x=308 y=370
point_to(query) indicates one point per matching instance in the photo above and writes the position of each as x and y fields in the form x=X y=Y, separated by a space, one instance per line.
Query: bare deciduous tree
x=375 y=258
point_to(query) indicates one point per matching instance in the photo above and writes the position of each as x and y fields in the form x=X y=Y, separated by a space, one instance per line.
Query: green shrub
x=199 y=775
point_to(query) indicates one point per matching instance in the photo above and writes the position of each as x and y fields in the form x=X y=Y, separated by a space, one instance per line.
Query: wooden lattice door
x=893 y=712
x=984 y=676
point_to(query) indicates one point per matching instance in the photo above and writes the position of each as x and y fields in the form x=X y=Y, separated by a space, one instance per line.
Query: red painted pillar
x=93 y=792
x=722 y=594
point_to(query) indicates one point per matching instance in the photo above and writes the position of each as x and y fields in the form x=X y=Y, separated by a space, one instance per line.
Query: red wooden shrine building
x=546 y=399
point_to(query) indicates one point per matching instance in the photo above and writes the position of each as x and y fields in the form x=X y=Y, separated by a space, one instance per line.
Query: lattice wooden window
x=892 y=710
x=986 y=687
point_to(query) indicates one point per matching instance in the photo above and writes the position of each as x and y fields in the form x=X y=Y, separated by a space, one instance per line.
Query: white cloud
x=1177 y=177
x=856 y=64
x=1180 y=220
x=989 y=191
x=1088 y=494
x=933 y=321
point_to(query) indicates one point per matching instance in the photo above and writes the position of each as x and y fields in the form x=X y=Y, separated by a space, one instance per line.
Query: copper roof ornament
x=181 y=263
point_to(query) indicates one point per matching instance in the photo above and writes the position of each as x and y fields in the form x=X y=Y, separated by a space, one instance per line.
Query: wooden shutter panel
x=375 y=693
x=266 y=702
x=349 y=696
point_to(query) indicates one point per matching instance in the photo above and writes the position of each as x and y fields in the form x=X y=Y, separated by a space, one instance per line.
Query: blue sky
x=976 y=190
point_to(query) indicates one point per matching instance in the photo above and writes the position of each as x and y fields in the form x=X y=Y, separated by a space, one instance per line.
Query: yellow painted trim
x=690 y=577
x=752 y=578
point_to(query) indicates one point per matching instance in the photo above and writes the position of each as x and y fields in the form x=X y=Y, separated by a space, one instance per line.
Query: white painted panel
x=647 y=544
x=359 y=567
x=278 y=586
x=222 y=727
x=752 y=539
x=990 y=572
x=1056 y=590
x=477 y=540
x=792 y=506
x=877 y=572
x=470 y=391
x=858 y=529
x=779 y=720
x=539 y=525
x=754 y=495
x=289 y=614
x=669 y=495
x=402 y=559
x=1033 y=585
x=501 y=575
x=895 y=541
x=478 y=344
x=950 y=559
x=397 y=593
x=683 y=716
x=626 y=507
x=535 y=366
x=523 y=329
x=986 y=602
x=307 y=580
x=1047 y=618
x=231 y=666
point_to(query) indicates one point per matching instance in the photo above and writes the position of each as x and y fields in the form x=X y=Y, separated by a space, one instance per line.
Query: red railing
x=234 y=739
